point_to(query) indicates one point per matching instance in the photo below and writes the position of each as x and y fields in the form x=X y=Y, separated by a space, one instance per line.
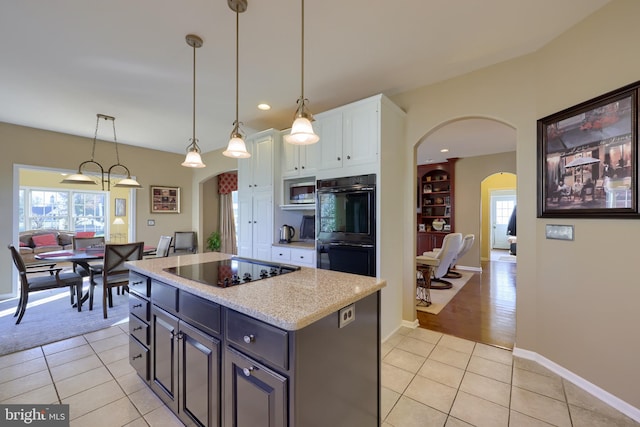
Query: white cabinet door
x=329 y=128
x=309 y=159
x=290 y=159
x=262 y=163
x=360 y=134
x=245 y=225
x=262 y=225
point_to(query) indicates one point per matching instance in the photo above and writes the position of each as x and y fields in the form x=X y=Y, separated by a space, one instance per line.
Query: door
x=255 y=396
x=502 y=204
x=164 y=363
x=199 y=366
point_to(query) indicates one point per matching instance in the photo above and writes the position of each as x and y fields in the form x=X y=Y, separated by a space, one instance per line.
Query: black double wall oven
x=346 y=224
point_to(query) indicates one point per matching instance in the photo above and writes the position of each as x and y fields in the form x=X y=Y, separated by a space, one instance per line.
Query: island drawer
x=139 y=284
x=139 y=358
x=164 y=296
x=258 y=338
x=139 y=329
x=201 y=312
x=139 y=307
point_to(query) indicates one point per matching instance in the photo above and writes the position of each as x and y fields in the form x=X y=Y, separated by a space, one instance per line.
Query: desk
x=425 y=264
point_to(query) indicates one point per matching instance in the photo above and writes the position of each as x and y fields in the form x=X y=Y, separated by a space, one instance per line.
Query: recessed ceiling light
x=444 y=150
x=264 y=107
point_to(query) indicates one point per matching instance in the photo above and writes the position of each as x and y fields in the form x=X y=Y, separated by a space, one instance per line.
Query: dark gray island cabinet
x=215 y=365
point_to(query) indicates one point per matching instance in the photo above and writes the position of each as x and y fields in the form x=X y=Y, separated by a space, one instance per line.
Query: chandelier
x=81 y=178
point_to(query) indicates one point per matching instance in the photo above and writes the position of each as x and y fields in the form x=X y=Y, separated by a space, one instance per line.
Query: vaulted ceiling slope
x=64 y=61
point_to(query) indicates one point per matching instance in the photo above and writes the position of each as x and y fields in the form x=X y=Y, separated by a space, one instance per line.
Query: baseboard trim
x=608 y=398
x=403 y=323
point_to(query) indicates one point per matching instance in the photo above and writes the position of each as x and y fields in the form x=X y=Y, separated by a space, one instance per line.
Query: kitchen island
x=299 y=349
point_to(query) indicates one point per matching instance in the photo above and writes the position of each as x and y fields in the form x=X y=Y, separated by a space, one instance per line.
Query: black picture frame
x=588 y=158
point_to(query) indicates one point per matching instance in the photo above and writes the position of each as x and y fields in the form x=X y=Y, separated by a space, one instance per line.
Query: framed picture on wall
x=588 y=158
x=120 y=207
x=165 y=199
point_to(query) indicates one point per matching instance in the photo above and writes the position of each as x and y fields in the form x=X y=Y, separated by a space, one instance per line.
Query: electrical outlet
x=346 y=315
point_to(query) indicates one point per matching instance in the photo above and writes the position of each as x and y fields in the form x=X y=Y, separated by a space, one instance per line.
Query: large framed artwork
x=165 y=199
x=588 y=158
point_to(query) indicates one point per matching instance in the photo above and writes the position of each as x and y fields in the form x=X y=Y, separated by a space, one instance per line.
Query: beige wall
x=576 y=301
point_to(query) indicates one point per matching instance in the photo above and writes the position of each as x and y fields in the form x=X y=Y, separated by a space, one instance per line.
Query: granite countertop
x=291 y=301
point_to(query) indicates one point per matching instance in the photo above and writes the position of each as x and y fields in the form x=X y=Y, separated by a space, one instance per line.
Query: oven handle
x=344 y=189
x=354 y=245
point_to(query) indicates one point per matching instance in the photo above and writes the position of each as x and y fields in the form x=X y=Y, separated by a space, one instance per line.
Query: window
x=503 y=211
x=62 y=210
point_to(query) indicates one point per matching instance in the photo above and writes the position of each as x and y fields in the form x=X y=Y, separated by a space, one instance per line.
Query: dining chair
x=113 y=272
x=54 y=279
x=84 y=243
x=185 y=241
x=162 y=250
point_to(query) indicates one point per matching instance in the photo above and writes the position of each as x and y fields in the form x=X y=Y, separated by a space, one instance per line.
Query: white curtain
x=227 y=225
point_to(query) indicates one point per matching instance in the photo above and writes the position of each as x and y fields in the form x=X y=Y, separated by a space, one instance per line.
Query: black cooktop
x=231 y=272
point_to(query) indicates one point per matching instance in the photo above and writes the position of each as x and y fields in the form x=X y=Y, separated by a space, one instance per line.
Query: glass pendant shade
x=193 y=159
x=236 y=148
x=128 y=183
x=118 y=221
x=78 y=178
x=302 y=133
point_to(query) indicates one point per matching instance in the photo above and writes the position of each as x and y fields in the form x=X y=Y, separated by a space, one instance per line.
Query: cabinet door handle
x=249 y=339
x=302 y=167
x=136 y=283
x=295 y=168
x=339 y=159
x=249 y=185
x=137 y=328
x=180 y=335
x=247 y=371
x=348 y=157
x=139 y=356
x=137 y=305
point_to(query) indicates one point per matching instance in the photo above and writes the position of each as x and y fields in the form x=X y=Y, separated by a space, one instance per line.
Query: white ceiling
x=63 y=61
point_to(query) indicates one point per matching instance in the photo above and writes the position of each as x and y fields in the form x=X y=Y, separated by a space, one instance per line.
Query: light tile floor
x=433 y=379
x=428 y=379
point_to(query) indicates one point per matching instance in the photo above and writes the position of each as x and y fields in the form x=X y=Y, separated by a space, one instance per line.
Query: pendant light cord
x=302 y=56
x=237 y=65
x=194 y=94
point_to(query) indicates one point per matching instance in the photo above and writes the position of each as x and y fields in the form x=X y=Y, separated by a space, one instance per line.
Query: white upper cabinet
x=299 y=160
x=349 y=137
x=256 y=172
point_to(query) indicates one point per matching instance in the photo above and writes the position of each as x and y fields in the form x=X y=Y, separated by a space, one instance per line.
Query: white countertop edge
x=317 y=293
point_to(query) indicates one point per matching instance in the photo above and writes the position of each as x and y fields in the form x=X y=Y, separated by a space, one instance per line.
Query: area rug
x=50 y=317
x=441 y=297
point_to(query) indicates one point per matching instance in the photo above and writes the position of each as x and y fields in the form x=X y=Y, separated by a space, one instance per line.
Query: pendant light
x=301 y=130
x=81 y=178
x=193 y=159
x=236 y=147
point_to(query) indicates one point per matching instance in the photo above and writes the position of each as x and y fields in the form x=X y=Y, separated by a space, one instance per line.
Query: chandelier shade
x=105 y=178
x=193 y=158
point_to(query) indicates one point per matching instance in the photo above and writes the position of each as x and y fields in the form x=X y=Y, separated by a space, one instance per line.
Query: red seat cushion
x=85 y=233
x=45 y=240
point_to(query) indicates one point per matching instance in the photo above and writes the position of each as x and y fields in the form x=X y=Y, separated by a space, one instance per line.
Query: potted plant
x=213 y=241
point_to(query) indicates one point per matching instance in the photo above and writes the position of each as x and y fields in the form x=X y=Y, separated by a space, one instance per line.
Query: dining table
x=82 y=258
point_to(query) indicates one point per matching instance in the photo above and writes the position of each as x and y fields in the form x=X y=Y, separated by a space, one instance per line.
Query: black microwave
x=302 y=192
